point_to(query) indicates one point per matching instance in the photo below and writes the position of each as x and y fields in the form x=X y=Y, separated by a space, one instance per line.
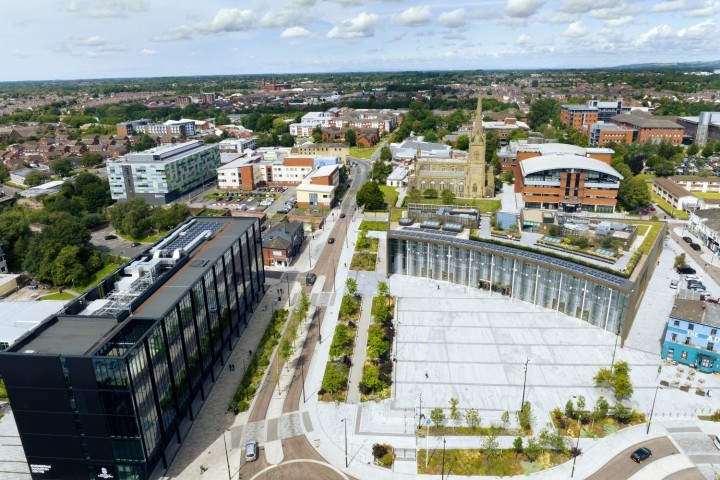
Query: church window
x=461 y=188
x=474 y=188
x=442 y=186
x=422 y=185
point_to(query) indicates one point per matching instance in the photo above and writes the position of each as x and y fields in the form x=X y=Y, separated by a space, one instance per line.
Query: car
x=687 y=239
x=110 y=237
x=674 y=284
x=342 y=215
x=686 y=270
x=696 y=247
x=651 y=208
x=282 y=210
x=692 y=277
x=251 y=450
x=310 y=278
x=641 y=454
x=263 y=228
x=135 y=244
x=331 y=240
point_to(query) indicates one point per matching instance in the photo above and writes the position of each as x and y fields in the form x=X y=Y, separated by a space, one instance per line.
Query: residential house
x=282 y=243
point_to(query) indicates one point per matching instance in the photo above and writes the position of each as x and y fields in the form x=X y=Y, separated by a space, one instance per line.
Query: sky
x=73 y=39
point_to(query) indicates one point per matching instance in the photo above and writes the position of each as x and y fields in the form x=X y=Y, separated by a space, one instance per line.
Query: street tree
x=455 y=413
x=680 y=260
x=380 y=171
x=383 y=289
x=370 y=196
x=437 y=416
x=472 y=417
x=351 y=286
x=385 y=154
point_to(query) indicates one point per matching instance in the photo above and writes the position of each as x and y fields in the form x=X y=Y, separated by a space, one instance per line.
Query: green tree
x=603 y=377
x=543 y=110
x=455 y=413
x=692 y=150
x=437 y=416
x=472 y=416
x=622 y=386
x=33 y=179
x=462 y=142
x=370 y=196
x=348 y=305
x=351 y=286
x=378 y=345
x=518 y=446
x=634 y=193
x=265 y=123
x=414 y=196
x=490 y=445
x=351 y=137
x=525 y=416
x=581 y=403
x=447 y=197
x=680 y=260
x=332 y=381
x=380 y=171
x=621 y=413
x=286 y=140
x=286 y=349
x=533 y=450
x=601 y=409
x=505 y=418
x=145 y=143
x=430 y=193
x=385 y=154
x=370 y=381
x=569 y=409
x=317 y=134
x=4 y=173
x=707 y=150
x=340 y=340
x=383 y=289
x=222 y=119
x=90 y=159
x=131 y=217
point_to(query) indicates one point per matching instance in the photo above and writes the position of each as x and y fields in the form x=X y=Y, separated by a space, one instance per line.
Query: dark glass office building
x=110 y=388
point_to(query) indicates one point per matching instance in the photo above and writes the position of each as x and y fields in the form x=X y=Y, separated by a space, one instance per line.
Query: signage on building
x=105 y=473
x=39 y=468
x=277 y=253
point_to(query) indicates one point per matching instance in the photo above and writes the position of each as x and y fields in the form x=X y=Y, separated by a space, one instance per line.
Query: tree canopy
x=370 y=196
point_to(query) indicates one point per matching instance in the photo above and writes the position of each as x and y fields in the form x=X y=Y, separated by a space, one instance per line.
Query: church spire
x=478 y=136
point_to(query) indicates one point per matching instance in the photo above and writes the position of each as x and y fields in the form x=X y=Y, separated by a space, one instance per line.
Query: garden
x=467 y=422
x=365 y=255
x=446 y=197
x=377 y=371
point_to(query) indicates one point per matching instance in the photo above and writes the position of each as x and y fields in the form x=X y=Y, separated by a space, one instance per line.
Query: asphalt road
x=118 y=246
x=622 y=467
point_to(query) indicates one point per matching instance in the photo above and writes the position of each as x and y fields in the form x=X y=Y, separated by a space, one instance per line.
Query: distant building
x=505 y=127
x=601 y=133
x=237 y=145
x=274 y=87
x=163 y=174
x=677 y=196
x=398 y=177
x=340 y=150
x=650 y=129
x=691 y=335
x=241 y=174
x=128 y=129
x=282 y=243
x=705 y=225
x=703 y=128
x=310 y=195
x=208 y=98
x=578 y=116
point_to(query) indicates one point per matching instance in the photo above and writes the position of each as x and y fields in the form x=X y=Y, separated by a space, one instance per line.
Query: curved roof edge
x=555 y=162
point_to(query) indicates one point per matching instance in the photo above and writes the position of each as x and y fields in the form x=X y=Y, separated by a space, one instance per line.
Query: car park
x=686 y=270
x=251 y=450
x=696 y=247
x=687 y=239
x=641 y=454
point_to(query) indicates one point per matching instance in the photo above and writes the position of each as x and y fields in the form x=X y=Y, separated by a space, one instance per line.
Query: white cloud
x=654 y=34
x=284 y=18
x=182 y=32
x=523 y=8
x=455 y=18
x=359 y=27
x=228 y=20
x=106 y=8
x=669 y=6
x=575 y=30
x=700 y=30
x=618 y=22
x=146 y=52
x=710 y=8
x=584 y=6
x=95 y=41
x=296 y=32
x=413 y=16
x=523 y=40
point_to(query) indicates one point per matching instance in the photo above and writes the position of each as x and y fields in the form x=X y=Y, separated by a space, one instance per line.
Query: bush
x=525 y=416
x=579 y=242
x=622 y=414
x=379 y=450
x=332 y=381
x=341 y=339
x=378 y=346
x=387 y=460
x=371 y=380
x=559 y=419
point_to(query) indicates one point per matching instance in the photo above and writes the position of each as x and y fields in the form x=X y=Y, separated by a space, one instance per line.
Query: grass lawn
x=710 y=195
x=645 y=176
x=667 y=208
x=483 y=204
x=363 y=261
x=373 y=226
x=146 y=239
x=475 y=462
x=58 y=296
x=362 y=152
x=391 y=195
x=397 y=213
x=95 y=279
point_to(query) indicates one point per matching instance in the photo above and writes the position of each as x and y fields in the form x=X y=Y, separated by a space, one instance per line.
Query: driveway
x=117 y=246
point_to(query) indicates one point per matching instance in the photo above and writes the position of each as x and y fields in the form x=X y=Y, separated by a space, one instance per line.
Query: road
x=712 y=270
x=298 y=448
x=622 y=467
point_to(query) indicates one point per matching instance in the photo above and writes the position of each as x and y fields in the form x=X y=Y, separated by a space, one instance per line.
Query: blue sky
x=68 y=39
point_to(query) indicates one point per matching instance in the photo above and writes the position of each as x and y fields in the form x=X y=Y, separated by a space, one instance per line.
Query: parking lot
x=115 y=246
x=258 y=201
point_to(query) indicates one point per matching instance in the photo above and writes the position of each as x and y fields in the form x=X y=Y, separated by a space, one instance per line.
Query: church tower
x=481 y=180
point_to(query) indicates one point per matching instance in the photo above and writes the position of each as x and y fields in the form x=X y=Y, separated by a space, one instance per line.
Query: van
x=310 y=278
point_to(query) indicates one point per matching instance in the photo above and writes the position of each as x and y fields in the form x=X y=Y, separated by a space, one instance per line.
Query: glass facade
x=572 y=294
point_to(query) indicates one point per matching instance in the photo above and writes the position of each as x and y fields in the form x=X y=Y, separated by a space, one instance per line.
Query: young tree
x=505 y=419
x=473 y=418
x=518 y=446
x=385 y=154
x=569 y=409
x=580 y=403
x=680 y=260
x=430 y=193
x=286 y=350
x=383 y=289
x=490 y=445
x=437 y=416
x=533 y=449
x=455 y=413
x=525 y=416
x=601 y=408
x=351 y=286
x=622 y=386
x=448 y=197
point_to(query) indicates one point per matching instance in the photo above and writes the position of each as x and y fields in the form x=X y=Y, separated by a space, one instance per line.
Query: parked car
x=342 y=215
x=331 y=240
x=641 y=454
x=696 y=247
x=283 y=210
x=251 y=451
x=686 y=270
x=674 y=284
x=651 y=208
x=135 y=244
x=110 y=237
x=687 y=239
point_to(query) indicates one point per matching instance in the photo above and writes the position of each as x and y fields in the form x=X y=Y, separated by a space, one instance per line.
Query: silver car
x=251 y=450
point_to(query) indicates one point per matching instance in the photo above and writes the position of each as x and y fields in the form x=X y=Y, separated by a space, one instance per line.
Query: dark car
x=342 y=215
x=263 y=228
x=110 y=237
x=687 y=239
x=686 y=270
x=641 y=454
x=135 y=244
x=331 y=240
x=696 y=247
x=310 y=278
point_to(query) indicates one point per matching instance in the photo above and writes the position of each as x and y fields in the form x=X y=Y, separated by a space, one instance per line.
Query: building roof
x=580 y=107
x=325 y=171
x=641 y=119
x=696 y=311
x=552 y=149
x=237 y=163
x=70 y=335
x=608 y=126
x=672 y=187
x=695 y=179
x=312 y=187
x=708 y=214
x=17 y=318
x=399 y=173
x=561 y=162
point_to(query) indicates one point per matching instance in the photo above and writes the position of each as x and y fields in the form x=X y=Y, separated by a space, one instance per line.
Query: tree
x=533 y=449
x=437 y=416
x=692 y=150
x=145 y=143
x=622 y=386
x=518 y=446
x=448 y=197
x=473 y=418
x=601 y=409
x=414 y=196
x=462 y=142
x=332 y=381
x=680 y=260
x=131 y=217
x=370 y=196
x=348 y=305
x=570 y=409
x=455 y=413
x=33 y=179
x=707 y=150
x=581 y=403
x=383 y=289
x=490 y=445
x=351 y=137
x=222 y=119
x=525 y=416
x=351 y=286
x=543 y=110
x=371 y=379
x=317 y=134
x=385 y=154
x=634 y=193
x=4 y=173
x=286 y=349
x=430 y=193
x=621 y=413
x=505 y=418
x=602 y=378
x=165 y=218
x=380 y=171
x=90 y=159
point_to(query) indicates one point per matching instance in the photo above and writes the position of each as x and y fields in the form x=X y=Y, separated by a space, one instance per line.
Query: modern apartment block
x=183 y=128
x=601 y=133
x=578 y=116
x=163 y=174
x=119 y=377
x=650 y=129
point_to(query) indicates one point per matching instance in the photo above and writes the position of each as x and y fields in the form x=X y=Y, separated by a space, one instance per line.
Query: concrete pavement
x=360 y=351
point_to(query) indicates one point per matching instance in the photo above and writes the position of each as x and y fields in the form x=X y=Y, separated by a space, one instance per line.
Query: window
x=710 y=346
x=687 y=341
x=674 y=337
x=713 y=331
x=706 y=362
x=684 y=355
x=676 y=323
x=691 y=326
x=671 y=352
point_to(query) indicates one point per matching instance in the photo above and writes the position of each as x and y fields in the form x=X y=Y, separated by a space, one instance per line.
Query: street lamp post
x=652 y=410
x=346 y=452
x=442 y=475
x=577 y=445
x=420 y=416
x=522 y=402
x=287 y=278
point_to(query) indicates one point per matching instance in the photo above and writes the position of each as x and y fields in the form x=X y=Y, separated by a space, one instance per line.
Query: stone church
x=467 y=178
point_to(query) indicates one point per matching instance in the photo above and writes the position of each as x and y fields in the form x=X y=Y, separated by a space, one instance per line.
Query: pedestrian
x=250 y=353
x=426 y=376
x=438 y=287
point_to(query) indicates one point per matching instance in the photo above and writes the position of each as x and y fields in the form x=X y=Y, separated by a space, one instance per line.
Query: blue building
x=691 y=336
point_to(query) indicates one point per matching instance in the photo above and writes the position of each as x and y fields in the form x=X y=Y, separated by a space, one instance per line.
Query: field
x=390 y=194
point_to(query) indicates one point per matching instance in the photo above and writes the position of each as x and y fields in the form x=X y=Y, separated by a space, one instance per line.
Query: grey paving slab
x=272 y=430
x=307 y=422
x=360 y=351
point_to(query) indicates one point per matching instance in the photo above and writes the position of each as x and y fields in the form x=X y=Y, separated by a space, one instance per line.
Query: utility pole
x=652 y=410
x=577 y=445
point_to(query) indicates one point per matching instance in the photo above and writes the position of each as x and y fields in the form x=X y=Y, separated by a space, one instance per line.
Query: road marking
x=318 y=462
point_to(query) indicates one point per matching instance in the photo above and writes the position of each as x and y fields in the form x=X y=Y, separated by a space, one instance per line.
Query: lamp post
x=309 y=253
x=612 y=362
x=420 y=416
x=442 y=475
x=652 y=409
x=346 y=453
x=287 y=279
x=577 y=445
x=227 y=459
x=522 y=402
